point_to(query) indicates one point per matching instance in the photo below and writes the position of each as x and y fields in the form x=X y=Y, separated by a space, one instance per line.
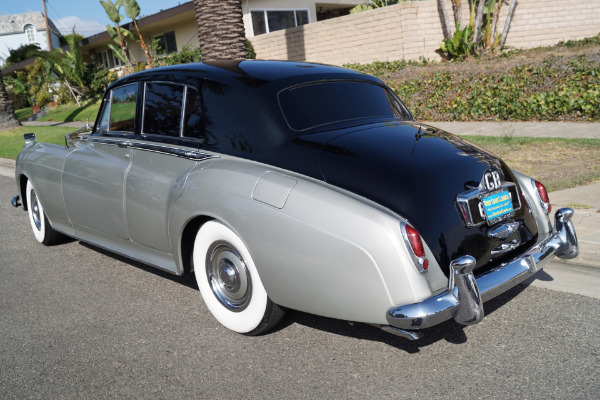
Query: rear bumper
x=464 y=298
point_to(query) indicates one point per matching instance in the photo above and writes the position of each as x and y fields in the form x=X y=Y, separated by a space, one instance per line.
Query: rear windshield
x=323 y=103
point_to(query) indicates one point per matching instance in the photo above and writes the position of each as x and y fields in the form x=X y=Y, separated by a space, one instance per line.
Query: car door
x=94 y=174
x=162 y=156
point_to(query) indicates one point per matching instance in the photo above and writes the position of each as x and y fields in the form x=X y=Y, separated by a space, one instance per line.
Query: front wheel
x=229 y=282
x=42 y=230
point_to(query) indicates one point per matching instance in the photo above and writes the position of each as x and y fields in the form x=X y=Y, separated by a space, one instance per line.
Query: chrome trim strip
x=436 y=309
x=182 y=118
x=121 y=142
x=175 y=151
x=156 y=148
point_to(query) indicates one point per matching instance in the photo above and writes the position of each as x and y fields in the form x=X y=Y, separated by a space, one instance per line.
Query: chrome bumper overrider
x=464 y=298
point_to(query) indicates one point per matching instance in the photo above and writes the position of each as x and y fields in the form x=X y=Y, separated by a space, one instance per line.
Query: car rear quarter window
x=323 y=103
x=194 y=124
x=122 y=110
x=163 y=104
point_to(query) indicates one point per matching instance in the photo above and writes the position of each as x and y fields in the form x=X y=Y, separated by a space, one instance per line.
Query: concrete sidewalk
x=568 y=130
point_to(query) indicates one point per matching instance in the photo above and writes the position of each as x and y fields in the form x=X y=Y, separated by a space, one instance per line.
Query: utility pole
x=48 y=37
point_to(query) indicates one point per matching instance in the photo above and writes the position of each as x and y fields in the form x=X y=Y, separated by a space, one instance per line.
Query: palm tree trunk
x=220 y=29
x=7 y=111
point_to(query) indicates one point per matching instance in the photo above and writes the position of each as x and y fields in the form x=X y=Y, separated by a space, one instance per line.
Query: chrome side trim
x=175 y=151
x=461 y=302
x=156 y=148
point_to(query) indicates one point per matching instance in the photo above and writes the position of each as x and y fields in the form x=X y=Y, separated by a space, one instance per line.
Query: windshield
x=322 y=103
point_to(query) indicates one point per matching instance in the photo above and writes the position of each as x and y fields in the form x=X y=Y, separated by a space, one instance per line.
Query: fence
x=413 y=29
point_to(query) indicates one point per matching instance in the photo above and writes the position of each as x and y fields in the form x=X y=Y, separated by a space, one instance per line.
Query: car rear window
x=316 y=104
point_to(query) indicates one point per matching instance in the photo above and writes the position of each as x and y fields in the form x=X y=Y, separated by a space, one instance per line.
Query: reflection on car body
x=294 y=185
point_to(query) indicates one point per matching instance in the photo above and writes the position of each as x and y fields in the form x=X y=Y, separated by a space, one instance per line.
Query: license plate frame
x=497 y=205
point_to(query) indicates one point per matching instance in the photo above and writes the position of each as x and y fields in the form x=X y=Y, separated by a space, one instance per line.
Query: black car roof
x=252 y=73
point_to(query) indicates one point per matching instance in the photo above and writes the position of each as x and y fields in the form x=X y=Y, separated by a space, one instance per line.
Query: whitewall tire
x=229 y=282
x=40 y=226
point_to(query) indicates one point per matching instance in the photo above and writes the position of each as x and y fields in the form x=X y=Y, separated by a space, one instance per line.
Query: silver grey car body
x=310 y=244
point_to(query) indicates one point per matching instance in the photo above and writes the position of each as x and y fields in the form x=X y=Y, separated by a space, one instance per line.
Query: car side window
x=105 y=120
x=162 y=108
x=194 y=124
x=122 y=108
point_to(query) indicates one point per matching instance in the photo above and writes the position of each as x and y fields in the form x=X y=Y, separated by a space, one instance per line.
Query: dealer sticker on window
x=496 y=205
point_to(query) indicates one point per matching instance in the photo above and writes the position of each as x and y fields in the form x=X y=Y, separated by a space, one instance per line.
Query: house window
x=30 y=32
x=108 y=59
x=265 y=21
x=165 y=43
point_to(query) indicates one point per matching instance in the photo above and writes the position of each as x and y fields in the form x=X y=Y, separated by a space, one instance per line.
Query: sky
x=87 y=16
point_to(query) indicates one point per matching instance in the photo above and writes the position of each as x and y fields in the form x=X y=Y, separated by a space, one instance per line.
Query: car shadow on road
x=449 y=331
x=185 y=279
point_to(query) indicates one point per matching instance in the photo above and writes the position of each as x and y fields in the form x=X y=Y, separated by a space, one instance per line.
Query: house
x=21 y=29
x=175 y=28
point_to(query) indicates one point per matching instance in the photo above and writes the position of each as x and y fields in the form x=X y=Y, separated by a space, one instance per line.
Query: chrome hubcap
x=35 y=210
x=228 y=276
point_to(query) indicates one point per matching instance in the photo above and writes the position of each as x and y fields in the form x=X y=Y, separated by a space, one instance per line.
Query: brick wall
x=412 y=30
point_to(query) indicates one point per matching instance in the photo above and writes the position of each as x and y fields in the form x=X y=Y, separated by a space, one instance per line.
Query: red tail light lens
x=414 y=241
x=543 y=193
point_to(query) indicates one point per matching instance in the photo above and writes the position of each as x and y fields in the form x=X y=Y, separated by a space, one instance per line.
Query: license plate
x=497 y=205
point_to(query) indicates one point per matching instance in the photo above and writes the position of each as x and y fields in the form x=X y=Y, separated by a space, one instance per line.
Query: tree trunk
x=7 y=111
x=495 y=24
x=456 y=11
x=220 y=29
x=445 y=19
x=478 y=21
x=511 y=11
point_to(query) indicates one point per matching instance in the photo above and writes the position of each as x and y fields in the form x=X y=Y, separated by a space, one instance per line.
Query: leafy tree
x=221 y=29
x=7 y=112
x=22 y=53
x=132 y=10
x=118 y=34
x=480 y=34
x=64 y=39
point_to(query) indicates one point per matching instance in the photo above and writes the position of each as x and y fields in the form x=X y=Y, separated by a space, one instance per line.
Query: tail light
x=415 y=246
x=543 y=195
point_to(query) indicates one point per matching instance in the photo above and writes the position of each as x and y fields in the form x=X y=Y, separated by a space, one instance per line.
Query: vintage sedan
x=293 y=185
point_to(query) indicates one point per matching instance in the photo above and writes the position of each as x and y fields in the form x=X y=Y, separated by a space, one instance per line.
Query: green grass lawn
x=23 y=114
x=11 y=140
x=558 y=163
x=70 y=112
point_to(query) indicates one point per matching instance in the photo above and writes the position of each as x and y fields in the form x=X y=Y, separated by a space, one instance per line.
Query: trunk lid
x=418 y=172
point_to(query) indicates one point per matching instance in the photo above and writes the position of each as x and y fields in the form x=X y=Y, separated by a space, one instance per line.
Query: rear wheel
x=229 y=282
x=42 y=230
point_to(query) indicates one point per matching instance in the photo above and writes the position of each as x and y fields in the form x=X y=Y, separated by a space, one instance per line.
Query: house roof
x=14 y=23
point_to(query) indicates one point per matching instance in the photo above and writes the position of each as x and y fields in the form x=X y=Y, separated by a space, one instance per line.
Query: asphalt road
x=78 y=322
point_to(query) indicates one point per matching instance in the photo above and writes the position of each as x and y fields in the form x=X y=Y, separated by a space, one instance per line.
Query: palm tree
x=220 y=29
x=7 y=112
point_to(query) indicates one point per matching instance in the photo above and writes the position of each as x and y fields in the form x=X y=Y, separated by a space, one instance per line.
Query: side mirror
x=29 y=139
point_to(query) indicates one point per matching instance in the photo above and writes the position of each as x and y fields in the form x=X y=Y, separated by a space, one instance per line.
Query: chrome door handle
x=126 y=143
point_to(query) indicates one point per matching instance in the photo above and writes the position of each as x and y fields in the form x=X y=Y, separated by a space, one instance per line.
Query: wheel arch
x=186 y=242
x=23 y=190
